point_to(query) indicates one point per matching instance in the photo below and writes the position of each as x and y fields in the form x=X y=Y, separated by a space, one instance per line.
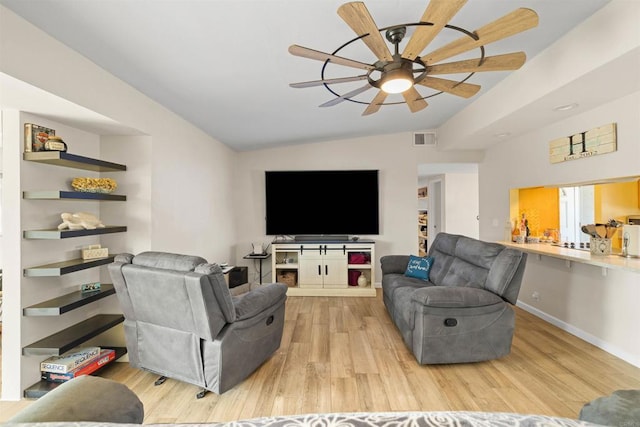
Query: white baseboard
x=608 y=347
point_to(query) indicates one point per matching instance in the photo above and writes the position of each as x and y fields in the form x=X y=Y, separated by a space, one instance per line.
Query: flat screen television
x=322 y=202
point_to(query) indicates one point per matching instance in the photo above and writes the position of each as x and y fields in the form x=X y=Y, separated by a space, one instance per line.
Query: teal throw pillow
x=419 y=267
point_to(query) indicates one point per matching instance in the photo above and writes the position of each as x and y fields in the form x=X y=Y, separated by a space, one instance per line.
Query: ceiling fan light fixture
x=396 y=81
x=397 y=85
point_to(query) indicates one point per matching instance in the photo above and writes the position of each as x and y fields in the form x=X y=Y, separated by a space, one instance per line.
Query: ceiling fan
x=394 y=72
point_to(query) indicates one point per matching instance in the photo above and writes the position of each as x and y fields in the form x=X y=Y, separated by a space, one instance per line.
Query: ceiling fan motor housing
x=395 y=35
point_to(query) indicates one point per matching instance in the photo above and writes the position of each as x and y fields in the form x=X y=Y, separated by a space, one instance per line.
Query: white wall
x=12 y=255
x=600 y=309
x=461 y=204
x=393 y=155
x=1 y=245
x=134 y=152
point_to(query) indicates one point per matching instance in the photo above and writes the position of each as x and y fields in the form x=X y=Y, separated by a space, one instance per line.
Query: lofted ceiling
x=223 y=65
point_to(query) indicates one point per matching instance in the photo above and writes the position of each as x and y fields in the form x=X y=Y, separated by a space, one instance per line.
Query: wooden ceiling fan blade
x=465 y=90
x=328 y=81
x=439 y=13
x=357 y=16
x=341 y=98
x=510 y=24
x=506 y=62
x=414 y=99
x=375 y=105
x=305 y=52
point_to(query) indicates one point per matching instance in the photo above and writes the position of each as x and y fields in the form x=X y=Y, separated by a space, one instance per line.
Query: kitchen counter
x=576 y=255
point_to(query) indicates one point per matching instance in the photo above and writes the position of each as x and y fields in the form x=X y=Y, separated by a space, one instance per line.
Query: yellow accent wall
x=616 y=201
x=541 y=207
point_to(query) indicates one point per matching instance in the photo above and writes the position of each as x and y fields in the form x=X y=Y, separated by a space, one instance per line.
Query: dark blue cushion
x=419 y=267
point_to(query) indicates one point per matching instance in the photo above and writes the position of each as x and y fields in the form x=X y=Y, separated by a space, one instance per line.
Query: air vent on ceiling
x=421 y=139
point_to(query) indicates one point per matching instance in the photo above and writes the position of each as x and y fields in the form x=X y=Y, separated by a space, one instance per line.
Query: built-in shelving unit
x=68 y=302
x=74 y=335
x=423 y=221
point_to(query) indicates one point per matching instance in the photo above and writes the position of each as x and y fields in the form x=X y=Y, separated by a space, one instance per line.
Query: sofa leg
x=160 y=380
x=201 y=393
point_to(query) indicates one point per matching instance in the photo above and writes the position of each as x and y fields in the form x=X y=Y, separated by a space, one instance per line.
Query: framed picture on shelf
x=422 y=192
x=35 y=136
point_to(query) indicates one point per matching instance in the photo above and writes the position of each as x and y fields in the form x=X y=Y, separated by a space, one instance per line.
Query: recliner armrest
x=454 y=296
x=394 y=264
x=257 y=300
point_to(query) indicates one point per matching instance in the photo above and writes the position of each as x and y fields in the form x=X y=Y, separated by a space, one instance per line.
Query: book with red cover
x=106 y=356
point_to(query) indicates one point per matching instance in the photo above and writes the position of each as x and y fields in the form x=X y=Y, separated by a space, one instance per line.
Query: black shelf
x=71 y=195
x=43 y=387
x=68 y=302
x=71 y=337
x=66 y=267
x=257 y=256
x=55 y=234
x=61 y=158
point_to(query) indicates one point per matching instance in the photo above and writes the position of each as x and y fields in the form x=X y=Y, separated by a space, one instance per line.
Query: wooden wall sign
x=600 y=140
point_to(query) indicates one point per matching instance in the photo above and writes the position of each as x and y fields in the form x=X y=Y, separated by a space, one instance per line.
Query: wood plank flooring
x=345 y=354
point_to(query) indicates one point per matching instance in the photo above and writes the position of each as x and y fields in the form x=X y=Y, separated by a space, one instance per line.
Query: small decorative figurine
x=79 y=221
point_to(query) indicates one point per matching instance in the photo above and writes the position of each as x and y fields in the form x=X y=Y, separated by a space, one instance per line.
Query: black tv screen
x=327 y=202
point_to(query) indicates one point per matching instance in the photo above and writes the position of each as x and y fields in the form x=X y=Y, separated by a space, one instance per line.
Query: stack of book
x=77 y=362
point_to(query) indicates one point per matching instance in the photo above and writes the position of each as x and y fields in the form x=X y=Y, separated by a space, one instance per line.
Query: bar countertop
x=612 y=261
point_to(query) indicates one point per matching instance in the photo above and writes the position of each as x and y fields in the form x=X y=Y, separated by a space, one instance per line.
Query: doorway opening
x=577 y=207
x=448 y=201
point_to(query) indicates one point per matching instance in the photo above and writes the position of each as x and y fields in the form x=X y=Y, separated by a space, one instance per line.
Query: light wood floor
x=344 y=354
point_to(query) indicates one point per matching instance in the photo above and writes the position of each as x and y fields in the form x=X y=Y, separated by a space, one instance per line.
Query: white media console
x=324 y=267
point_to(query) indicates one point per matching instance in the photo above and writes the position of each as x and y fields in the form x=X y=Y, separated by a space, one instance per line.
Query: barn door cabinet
x=77 y=334
x=324 y=268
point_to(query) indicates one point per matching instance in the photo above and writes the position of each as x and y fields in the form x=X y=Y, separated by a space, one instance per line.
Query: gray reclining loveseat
x=462 y=313
x=181 y=321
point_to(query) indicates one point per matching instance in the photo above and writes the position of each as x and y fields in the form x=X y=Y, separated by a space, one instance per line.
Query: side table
x=259 y=257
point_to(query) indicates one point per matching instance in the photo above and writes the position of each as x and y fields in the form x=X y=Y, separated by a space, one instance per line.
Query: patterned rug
x=378 y=419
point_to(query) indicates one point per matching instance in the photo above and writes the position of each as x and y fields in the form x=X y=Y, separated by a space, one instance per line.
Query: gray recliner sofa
x=181 y=321
x=463 y=312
